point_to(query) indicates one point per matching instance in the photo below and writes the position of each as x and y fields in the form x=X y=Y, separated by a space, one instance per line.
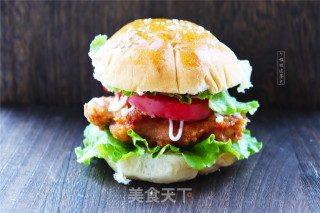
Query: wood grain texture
x=44 y=45
x=39 y=172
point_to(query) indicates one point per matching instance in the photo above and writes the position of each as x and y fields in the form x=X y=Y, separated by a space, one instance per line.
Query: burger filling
x=160 y=131
x=199 y=127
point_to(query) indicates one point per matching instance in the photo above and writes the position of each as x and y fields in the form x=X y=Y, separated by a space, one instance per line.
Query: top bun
x=167 y=56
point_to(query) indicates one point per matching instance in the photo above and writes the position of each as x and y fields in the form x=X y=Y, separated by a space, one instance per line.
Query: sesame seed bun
x=167 y=56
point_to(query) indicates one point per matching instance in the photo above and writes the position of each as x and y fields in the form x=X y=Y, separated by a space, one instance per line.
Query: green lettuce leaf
x=248 y=145
x=204 y=95
x=92 y=137
x=97 y=42
x=124 y=92
x=101 y=144
x=223 y=103
x=183 y=98
x=205 y=153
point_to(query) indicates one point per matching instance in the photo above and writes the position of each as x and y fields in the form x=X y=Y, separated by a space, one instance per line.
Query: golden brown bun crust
x=168 y=56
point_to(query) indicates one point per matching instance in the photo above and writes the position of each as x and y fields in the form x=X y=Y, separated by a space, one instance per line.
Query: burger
x=171 y=117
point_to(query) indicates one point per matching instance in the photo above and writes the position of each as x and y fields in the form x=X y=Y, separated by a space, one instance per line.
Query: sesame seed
x=184 y=32
x=146 y=21
x=188 y=25
x=132 y=34
x=169 y=21
x=143 y=30
x=140 y=28
x=129 y=28
x=181 y=23
x=157 y=22
x=171 y=28
x=201 y=28
x=175 y=21
x=128 y=36
x=162 y=23
x=135 y=38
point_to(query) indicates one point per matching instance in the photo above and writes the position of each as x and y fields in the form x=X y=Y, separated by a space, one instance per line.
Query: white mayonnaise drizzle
x=219 y=117
x=178 y=136
x=140 y=92
x=125 y=111
x=117 y=103
x=237 y=115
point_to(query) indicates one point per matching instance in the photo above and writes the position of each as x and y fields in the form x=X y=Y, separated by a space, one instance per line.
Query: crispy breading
x=156 y=130
x=96 y=111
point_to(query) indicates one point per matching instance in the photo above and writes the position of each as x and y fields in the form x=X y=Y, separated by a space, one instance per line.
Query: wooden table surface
x=39 y=172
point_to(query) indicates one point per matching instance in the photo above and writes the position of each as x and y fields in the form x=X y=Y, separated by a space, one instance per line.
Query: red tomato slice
x=170 y=108
x=105 y=89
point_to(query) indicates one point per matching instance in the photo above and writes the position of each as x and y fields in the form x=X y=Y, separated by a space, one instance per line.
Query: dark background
x=44 y=45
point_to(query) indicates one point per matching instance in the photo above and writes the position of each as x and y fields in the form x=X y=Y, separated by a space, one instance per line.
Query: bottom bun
x=167 y=168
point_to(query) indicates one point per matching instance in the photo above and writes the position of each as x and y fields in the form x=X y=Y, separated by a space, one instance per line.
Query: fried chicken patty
x=156 y=130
